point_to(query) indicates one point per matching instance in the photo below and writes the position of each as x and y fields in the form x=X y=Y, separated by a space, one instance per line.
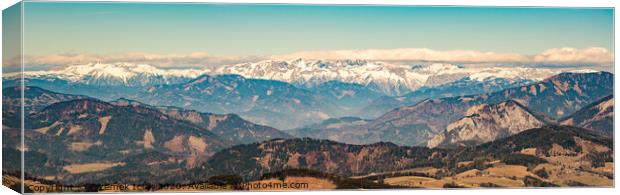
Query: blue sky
x=198 y=35
x=104 y=28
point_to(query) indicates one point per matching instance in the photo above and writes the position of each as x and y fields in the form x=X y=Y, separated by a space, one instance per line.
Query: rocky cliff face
x=554 y=97
x=462 y=87
x=484 y=123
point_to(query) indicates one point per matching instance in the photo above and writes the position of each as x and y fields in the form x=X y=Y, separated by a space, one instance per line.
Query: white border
x=527 y=3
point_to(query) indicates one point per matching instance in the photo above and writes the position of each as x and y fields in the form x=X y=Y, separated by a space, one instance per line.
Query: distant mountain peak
x=387 y=78
x=390 y=79
x=121 y=73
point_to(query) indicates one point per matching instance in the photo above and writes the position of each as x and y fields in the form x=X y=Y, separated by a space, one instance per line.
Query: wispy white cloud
x=555 y=56
x=593 y=56
x=406 y=54
x=195 y=59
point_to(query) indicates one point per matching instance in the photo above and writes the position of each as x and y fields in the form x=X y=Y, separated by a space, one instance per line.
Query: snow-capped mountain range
x=390 y=79
x=387 y=78
x=127 y=74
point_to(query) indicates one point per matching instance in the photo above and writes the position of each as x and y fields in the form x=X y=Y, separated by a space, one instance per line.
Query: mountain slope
x=554 y=97
x=598 y=116
x=88 y=140
x=91 y=120
x=273 y=103
x=273 y=99
x=328 y=129
x=548 y=141
x=313 y=90
x=35 y=99
x=462 y=87
x=349 y=97
x=253 y=160
x=106 y=93
x=485 y=123
x=556 y=149
x=70 y=136
x=567 y=144
x=229 y=127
